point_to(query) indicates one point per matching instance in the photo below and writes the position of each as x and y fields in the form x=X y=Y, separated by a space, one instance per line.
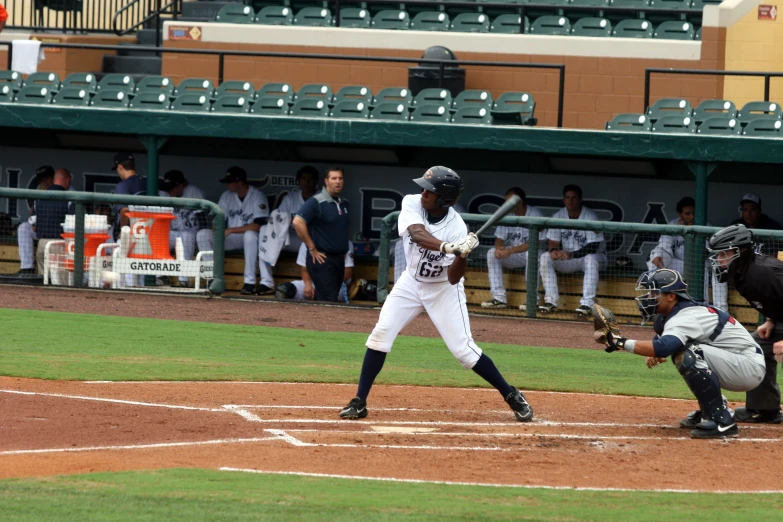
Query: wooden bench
x=9 y=258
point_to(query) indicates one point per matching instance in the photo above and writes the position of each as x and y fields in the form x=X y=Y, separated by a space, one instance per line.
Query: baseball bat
x=500 y=213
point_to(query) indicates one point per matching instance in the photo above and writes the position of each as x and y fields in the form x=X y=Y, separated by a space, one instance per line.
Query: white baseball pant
x=444 y=303
x=720 y=291
x=25 y=235
x=495 y=269
x=299 y=296
x=588 y=264
x=247 y=242
x=736 y=372
x=267 y=277
x=188 y=245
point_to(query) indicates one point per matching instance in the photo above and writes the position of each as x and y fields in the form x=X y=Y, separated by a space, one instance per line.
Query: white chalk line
x=491 y=485
x=117 y=401
x=136 y=446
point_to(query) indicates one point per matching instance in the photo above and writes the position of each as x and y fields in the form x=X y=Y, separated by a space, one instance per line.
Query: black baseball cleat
x=356 y=409
x=248 y=289
x=691 y=420
x=708 y=429
x=264 y=290
x=522 y=409
x=758 y=416
x=583 y=310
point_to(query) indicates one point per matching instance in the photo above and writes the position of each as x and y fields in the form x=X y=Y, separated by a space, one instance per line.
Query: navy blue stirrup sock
x=371 y=367
x=487 y=370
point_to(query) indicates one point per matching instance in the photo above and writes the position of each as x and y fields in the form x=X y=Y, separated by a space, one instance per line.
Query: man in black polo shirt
x=51 y=215
x=322 y=225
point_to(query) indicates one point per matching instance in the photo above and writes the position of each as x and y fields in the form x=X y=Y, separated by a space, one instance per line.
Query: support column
x=695 y=251
x=153 y=144
x=78 y=253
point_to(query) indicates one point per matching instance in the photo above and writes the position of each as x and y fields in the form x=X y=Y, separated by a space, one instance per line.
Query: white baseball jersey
x=674 y=246
x=697 y=323
x=274 y=236
x=428 y=266
x=573 y=240
x=291 y=203
x=186 y=220
x=243 y=212
x=301 y=258
x=515 y=236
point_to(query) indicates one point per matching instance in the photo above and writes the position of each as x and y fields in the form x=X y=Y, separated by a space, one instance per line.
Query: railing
x=123 y=21
x=442 y=65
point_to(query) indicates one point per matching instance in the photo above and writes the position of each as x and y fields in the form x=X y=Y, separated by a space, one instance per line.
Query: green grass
x=184 y=494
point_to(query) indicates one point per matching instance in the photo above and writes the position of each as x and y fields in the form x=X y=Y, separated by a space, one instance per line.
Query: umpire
x=322 y=225
x=759 y=279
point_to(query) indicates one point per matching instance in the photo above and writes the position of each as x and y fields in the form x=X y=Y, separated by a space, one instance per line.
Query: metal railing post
x=78 y=253
x=766 y=87
x=647 y=73
x=221 y=65
x=561 y=96
x=531 y=277
x=337 y=13
x=383 y=256
x=218 y=284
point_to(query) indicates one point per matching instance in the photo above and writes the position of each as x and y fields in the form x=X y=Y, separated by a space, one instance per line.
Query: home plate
x=402 y=429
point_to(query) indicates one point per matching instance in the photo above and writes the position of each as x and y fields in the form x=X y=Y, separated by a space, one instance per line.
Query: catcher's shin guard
x=704 y=384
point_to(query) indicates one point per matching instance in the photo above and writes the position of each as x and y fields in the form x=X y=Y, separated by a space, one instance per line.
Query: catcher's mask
x=654 y=284
x=728 y=245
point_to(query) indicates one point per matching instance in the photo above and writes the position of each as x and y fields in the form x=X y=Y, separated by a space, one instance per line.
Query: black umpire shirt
x=760 y=281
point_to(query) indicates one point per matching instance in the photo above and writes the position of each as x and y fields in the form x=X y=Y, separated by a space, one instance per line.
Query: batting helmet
x=655 y=283
x=444 y=182
x=735 y=239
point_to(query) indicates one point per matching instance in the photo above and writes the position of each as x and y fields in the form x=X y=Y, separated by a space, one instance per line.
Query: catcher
x=710 y=349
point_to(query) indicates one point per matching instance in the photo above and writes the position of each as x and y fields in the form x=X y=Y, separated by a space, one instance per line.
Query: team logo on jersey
x=263 y=239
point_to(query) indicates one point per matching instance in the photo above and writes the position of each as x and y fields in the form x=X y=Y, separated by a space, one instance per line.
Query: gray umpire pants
x=767 y=395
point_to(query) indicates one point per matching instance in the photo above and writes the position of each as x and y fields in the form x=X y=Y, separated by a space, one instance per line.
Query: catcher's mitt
x=604 y=322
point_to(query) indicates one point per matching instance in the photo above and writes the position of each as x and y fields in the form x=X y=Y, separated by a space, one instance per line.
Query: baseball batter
x=437 y=243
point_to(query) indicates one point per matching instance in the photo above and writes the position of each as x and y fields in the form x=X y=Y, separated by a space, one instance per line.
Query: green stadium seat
x=6 y=93
x=390 y=111
x=720 y=126
x=674 y=123
x=122 y=82
x=700 y=4
x=355 y=17
x=276 y=90
x=313 y=17
x=236 y=14
x=111 y=99
x=498 y=11
x=246 y=89
x=232 y=104
x=431 y=113
x=473 y=98
x=314 y=91
x=350 y=109
x=590 y=3
x=765 y=127
x=12 y=79
x=697 y=36
x=472 y=115
x=669 y=106
x=592 y=27
x=191 y=102
x=86 y=81
x=470 y=23
x=270 y=106
x=633 y=28
x=674 y=30
x=356 y=93
x=509 y=24
x=433 y=96
x=391 y=19
x=195 y=86
x=714 y=108
x=150 y=101
x=639 y=4
x=759 y=110
x=670 y=4
x=34 y=94
x=514 y=108
x=629 y=123
x=394 y=95
x=553 y=25
x=310 y=108
x=275 y=15
x=430 y=21
x=156 y=84
x=454 y=10
x=44 y=79
x=72 y=97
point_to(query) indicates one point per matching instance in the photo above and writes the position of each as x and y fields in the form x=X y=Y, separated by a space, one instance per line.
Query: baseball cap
x=234 y=174
x=171 y=179
x=44 y=172
x=120 y=157
x=753 y=198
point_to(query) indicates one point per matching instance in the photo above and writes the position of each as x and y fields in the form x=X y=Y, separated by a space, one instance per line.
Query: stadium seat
x=350 y=109
x=310 y=108
x=592 y=27
x=356 y=93
x=150 y=101
x=669 y=106
x=639 y=4
x=670 y=4
x=472 y=115
x=232 y=103
x=765 y=127
x=759 y=110
x=720 y=126
x=195 y=85
x=514 y=108
x=355 y=17
x=6 y=93
x=390 y=111
x=156 y=84
x=433 y=96
x=674 y=30
x=122 y=82
x=275 y=15
x=633 y=28
x=11 y=78
x=236 y=14
x=276 y=90
x=472 y=98
x=430 y=21
x=509 y=24
x=431 y=113
x=34 y=94
x=553 y=25
x=86 y=81
x=629 y=123
x=111 y=99
x=313 y=17
x=270 y=106
x=697 y=36
x=492 y=11
x=454 y=10
x=714 y=108
x=699 y=4
x=470 y=23
x=44 y=79
x=395 y=95
x=191 y=102
x=674 y=123
x=246 y=89
x=590 y=3
x=391 y=19
x=72 y=97
x=314 y=91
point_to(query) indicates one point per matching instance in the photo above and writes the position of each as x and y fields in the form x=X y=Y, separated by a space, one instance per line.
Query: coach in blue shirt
x=322 y=225
x=50 y=215
x=132 y=184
